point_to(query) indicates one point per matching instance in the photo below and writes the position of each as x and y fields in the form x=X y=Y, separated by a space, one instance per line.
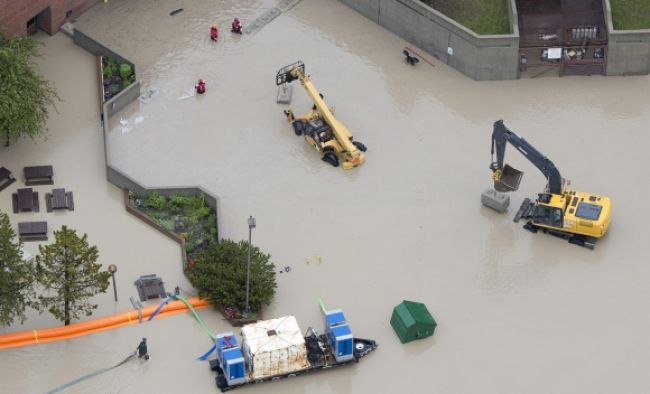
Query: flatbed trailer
x=319 y=356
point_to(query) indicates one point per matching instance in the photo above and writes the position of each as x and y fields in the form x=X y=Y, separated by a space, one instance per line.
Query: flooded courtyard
x=517 y=312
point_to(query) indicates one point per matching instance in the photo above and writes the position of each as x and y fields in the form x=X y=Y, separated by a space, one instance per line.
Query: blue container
x=230 y=358
x=340 y=335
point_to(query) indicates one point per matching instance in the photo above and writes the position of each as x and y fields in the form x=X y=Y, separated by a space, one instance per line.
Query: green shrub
x=109 y=70
x=114 y=89
x=168 y=224
x=189 y=247
x=211 y=226
x=212 y=221
x=125 y=71
x=155 y=201
x=220 y=275
x=196 y=202
x=192 y=219
x=177 y=202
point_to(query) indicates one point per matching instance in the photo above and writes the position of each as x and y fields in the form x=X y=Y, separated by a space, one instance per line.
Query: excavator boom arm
x=501 y=134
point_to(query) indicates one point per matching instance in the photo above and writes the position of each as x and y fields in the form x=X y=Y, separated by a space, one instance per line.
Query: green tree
x=25 y=96
x=16 y=276
x=220 y=275
x=70 y=275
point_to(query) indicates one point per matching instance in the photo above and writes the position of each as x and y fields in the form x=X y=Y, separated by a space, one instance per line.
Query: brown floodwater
x=517 y=312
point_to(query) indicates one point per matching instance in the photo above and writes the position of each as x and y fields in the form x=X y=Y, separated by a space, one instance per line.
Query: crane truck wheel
x=298 y=127
x=359 y=146
x=330 y=157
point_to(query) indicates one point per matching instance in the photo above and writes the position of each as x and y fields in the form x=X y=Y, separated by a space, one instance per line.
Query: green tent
x=411 y=320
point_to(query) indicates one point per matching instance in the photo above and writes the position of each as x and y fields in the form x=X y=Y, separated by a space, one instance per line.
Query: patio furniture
x=150 y=286
x=25 y=200
x=32 y=231
x=59 y=199
x=6 y=178
x=38 y=175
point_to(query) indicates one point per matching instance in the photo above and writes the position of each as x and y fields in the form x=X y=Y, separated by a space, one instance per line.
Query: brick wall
x=14 y=14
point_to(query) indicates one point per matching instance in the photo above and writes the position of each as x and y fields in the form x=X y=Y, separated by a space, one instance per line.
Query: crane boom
x=319 y=127
x=500 y=135
x=342 y=133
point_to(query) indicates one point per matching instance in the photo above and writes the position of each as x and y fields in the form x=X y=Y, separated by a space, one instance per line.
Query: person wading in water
x=142 y=349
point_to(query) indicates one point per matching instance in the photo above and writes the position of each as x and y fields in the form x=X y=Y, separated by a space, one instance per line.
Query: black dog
x=410 y=59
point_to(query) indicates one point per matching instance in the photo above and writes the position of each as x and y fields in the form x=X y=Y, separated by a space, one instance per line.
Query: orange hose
x=45 y=335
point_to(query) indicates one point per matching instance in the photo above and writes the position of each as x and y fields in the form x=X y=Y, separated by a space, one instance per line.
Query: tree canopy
x=16 y=276
x=220 y=275
x=25 y=96
x=70 y=275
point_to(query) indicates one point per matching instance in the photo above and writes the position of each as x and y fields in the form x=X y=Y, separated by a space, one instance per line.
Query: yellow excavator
x=319 y=126
x=580 y=217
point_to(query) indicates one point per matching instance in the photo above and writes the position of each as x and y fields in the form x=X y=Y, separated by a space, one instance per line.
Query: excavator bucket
x=509 y=179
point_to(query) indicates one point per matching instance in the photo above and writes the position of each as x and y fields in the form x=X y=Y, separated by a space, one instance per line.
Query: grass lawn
x=481 y=16
x=630 y=14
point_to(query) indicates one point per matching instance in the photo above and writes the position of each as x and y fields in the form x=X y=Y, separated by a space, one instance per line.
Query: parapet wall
x=481 y=57
x=110 y=108
x=629 y=50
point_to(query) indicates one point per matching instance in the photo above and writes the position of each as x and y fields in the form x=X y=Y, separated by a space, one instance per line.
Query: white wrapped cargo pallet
x=274 y=347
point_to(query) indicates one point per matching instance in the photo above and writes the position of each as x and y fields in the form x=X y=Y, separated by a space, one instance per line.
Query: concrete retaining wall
x=629 y=50
x=119 y=178
x=481 y=57
x=126 y=96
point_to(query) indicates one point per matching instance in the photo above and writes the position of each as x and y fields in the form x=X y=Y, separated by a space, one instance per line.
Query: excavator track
x=525 y=210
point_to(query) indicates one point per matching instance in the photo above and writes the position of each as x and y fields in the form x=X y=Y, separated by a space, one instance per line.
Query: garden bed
x=480 y=16
x=630 y=14
x=115 y=76
x=186 y=216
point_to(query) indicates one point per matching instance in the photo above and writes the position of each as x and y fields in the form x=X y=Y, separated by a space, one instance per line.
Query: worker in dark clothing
x=142 y=349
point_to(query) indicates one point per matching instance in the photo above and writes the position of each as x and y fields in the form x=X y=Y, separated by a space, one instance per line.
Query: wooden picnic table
x=32 y=231
x=6 y=178
x=38 y=175
x=59 y=199
x=25 y=200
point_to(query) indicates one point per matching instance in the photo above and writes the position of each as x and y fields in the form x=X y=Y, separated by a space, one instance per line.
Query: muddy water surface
x=517 y=312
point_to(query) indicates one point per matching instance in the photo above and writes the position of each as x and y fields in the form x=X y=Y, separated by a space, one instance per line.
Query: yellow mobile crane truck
x=577 y=216
x=319 y=126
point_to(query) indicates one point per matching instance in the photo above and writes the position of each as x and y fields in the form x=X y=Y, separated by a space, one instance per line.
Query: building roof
x=274 y=334
x=411 y=312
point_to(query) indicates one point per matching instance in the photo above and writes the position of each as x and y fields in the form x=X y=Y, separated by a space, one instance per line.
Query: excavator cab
x=507 y=179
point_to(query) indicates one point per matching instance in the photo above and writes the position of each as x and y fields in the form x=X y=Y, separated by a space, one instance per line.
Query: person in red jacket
x=236 y=26
x=200 y=87
x=214 y=32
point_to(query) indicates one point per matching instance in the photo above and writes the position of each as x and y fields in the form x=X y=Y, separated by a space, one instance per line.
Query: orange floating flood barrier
x=36 y=336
